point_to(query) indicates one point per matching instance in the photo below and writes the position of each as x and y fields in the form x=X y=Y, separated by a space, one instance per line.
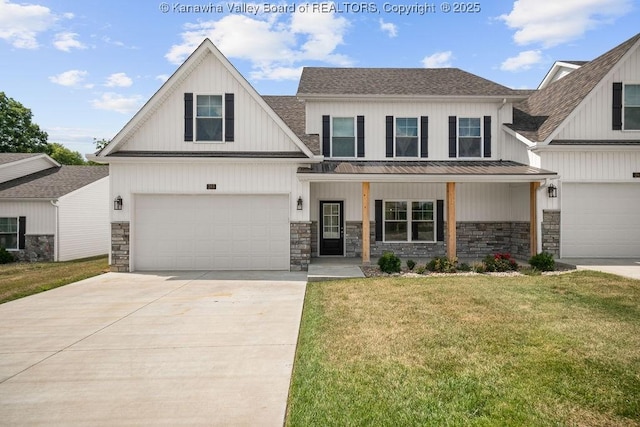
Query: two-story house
x=422 y=162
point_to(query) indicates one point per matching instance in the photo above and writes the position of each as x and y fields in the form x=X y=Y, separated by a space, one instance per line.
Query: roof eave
x=431 y=178
x=412 y=97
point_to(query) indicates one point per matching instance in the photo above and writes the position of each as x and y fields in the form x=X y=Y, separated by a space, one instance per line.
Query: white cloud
x=71 y=78
x=118 y=80
x=113 y=102
x=274 y=43
x=20 y=24
x=438 y=60
x=67 y=41
x=162 y=77
x=389 y=28
x=523 y=61
x=552 y=22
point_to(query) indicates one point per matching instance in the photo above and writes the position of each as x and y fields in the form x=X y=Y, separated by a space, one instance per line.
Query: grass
x=476 y=351
x=18 y=280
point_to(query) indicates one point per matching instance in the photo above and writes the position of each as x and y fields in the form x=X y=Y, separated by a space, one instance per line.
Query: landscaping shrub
x=543 y=261
x=478 y=267
x=410 y=264
x=5 y=256
x=421 y=269
x=500 y=262
x=464 y=267
x=390 y=263
x=442 y=265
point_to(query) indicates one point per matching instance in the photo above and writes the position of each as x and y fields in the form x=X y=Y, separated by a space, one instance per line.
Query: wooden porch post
x=451 y=220
x=533 y=215
x=365 y=224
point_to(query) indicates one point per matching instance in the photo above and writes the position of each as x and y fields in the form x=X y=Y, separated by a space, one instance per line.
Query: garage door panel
x=600 y=220
x=239 y=232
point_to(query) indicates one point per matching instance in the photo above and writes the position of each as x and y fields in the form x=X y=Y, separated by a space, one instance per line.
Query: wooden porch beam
x=451 y=220
x=366 y=244
x=533 y=217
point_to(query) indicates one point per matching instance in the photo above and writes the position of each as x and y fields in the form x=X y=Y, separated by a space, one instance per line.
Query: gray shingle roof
x=291 y=110
x=540 y=114
x=53 y=182
x=14 y=157
x=397 y=81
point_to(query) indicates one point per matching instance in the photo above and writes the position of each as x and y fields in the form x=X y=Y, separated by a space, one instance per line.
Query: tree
x=100 y=143
x=63 y=155
x=18 y=134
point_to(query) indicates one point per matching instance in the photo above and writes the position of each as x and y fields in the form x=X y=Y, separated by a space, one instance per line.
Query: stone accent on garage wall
x=37 y=247
x=314 y=239
x=120 y=236
x=551 y=232
x=300 y=233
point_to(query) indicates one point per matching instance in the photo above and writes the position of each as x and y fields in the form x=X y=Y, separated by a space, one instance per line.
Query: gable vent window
x=632 y=107
x=209 y=118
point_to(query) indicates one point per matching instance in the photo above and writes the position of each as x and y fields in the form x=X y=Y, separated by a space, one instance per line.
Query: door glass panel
x=331 y=221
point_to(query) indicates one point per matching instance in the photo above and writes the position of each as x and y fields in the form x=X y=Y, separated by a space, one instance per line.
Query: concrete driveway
x=626 y=267
x=194 y=348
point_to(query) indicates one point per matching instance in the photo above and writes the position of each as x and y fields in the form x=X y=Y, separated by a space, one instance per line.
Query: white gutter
x=56 y=236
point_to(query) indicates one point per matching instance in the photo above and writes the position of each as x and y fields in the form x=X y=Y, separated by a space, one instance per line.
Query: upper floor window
x=469 y=137
x=406 y=137
x=632 y=107
x=343 y=137
x=209 y=118
x=9 y=233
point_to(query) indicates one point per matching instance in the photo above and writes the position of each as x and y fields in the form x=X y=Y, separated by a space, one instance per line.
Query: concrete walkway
x=196 y=348
x=626 y=267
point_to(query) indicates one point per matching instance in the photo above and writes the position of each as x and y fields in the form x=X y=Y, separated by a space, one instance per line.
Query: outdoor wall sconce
x=117 y=204
x=552 y=191
x=299 y=205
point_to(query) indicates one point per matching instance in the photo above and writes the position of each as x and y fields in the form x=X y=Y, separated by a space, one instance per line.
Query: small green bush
x=410 y=264
x=543 y=261
x=464 y=267
x=421 y=269
x=442 y=265
x=390 y=263
x=478 y=267
x=500 y=262
x=5 y=256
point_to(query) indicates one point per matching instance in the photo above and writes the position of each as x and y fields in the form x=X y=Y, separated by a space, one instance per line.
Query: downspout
x=56 y=236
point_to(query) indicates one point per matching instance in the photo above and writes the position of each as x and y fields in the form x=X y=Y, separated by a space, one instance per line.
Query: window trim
x=17 y=233
x=481 y=119
x=395 y=137
x=624 y=106
x=355 y=137
x=195 y=119
x=409 y=220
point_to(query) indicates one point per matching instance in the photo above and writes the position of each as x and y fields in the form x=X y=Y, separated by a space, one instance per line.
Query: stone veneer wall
x=551 y=232
x=300 y=246
x=37 y=247
x=120 y=246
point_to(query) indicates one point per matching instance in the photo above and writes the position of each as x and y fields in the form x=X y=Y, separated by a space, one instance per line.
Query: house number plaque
x=211 y=186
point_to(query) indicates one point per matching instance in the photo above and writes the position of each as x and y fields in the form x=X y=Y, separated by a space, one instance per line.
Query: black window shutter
x=229 y=117
x=424 y=136
x=188 y=117
x=389 y=138
x=617 y=106
x=378 y=214
x=487 y=136
x=22 y=228
x=360 y=130
x=453 y=152
x=326 y=136
x=440 y=220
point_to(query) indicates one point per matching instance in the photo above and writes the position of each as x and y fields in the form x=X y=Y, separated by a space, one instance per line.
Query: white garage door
x=600 y=220
x=222 y=232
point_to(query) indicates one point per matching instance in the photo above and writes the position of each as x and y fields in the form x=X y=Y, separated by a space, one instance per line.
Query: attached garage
x=217 y=232
x=600 y=220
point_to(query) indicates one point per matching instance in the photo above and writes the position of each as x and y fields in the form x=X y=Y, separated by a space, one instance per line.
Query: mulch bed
x=374 y=271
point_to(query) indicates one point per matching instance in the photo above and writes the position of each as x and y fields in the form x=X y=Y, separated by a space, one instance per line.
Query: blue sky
x=85 y=67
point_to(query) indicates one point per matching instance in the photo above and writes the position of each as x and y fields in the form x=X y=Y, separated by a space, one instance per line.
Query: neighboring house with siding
x=422 y=162
x=51 y=212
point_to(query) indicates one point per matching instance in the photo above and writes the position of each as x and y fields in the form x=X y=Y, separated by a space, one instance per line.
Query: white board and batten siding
x=41 y=215
x=83 y=218
x=255 y=129
x=614 y=165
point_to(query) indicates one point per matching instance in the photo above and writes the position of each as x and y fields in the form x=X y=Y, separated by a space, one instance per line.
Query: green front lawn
x=19 y=280
x=481 y=351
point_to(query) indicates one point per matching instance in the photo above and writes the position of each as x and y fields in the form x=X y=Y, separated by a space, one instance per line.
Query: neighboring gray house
x=422 y=162
x=50 y=212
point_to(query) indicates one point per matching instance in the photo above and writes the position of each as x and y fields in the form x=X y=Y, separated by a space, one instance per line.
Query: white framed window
x=209 y=113
x=406 y=144
x=409 y=221
x=9 y=233
x=469 y=137
x=343 y=137
x=631 y=117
